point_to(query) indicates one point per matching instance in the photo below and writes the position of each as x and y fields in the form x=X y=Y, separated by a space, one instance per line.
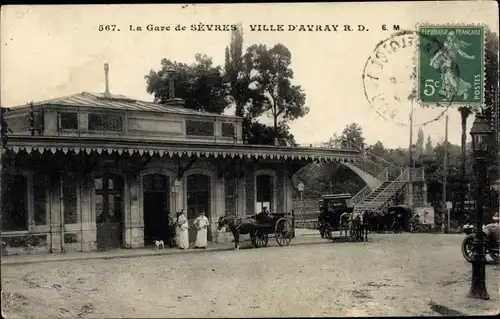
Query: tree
x=378 y=149
x=235 y=77
x=491 y=93
x=200 y=84
x=257 y=133
x=420 y=141
x=428 y=146
x=270 y=75
x=352 y=136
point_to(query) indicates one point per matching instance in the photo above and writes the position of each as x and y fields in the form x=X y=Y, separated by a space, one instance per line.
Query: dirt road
x=394 y=274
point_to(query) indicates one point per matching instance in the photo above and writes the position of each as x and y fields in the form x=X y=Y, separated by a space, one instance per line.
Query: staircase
x=381 y=196
x=388 y=181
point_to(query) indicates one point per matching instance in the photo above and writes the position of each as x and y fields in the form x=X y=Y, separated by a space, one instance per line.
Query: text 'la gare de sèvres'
x=256 y=27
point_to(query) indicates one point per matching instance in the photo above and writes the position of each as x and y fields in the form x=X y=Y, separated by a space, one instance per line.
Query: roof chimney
x=171 y=83
x=172 y=100
x=106 y=79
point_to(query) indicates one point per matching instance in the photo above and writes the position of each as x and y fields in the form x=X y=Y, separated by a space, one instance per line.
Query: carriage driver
x=263 y=215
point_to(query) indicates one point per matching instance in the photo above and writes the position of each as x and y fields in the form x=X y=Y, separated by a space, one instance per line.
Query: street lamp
x=331 y=187
x=481 y=142
x=301 y=189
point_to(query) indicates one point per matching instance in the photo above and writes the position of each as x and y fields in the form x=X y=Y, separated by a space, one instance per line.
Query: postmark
x=450 y=64
x=389 y=80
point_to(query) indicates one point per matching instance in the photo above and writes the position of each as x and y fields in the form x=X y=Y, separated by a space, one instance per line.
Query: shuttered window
x=200 y=128
x=105 y=122
x=228 y=130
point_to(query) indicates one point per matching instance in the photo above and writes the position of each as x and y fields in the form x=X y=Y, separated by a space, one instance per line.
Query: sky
x=53 y=51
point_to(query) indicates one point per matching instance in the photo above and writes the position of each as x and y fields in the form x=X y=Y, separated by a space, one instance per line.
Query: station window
x=39 y=199
x=15 y=202
x=68 y=121
x=264 y=189
x=70 y=200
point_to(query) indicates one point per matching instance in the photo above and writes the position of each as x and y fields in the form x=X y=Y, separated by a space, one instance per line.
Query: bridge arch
x=372 y=181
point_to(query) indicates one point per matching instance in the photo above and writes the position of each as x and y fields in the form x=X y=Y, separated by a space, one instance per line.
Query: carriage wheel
x=283 y=232
x=259 y=239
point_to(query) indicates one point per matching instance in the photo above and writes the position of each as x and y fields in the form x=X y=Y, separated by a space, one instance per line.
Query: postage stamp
x=451 y=64
x=389 y=80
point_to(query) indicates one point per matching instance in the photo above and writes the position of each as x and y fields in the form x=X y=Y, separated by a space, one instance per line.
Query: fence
x=306 y=213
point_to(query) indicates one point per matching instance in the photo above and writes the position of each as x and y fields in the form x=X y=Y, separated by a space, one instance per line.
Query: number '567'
x=107 y=27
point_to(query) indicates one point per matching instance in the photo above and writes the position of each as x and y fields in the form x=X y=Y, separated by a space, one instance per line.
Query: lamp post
x=331 y=187
x=496 y=187
x=413 y=158
x=481 y=142
x=300 y=187
x=301 y=190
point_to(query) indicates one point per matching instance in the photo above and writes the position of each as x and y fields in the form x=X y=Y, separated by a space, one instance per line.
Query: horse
x=355 y=226
x=379 y=222
x=344 y=223
x=365 y=225
x=237 y=226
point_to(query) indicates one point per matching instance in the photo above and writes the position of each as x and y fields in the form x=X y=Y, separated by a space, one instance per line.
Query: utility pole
x=410 y=158
x=445 y=172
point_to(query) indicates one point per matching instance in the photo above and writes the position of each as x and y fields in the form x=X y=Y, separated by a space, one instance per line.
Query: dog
x=159 y=244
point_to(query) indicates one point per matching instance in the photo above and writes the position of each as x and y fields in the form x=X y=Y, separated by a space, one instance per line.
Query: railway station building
x=97 y=171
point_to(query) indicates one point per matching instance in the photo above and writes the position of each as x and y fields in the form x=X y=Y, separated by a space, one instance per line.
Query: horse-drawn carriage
x=332 y=209
x=398 y=218
x=259 y=227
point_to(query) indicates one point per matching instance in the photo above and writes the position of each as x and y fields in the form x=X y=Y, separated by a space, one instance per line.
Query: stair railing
x=369 y=166
x=394 y=186
x=394 y=170
x=365 y=191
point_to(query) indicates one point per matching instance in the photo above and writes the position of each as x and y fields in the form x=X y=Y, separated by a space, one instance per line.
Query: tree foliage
x=428 y=146
x=200 y=84
x=258 y=133
x=352 y=136
x=377 y=149
x=420 y=141
x=269 y=76
x=236 y=79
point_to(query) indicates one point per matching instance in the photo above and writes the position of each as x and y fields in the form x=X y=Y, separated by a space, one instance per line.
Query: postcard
x=250 y=160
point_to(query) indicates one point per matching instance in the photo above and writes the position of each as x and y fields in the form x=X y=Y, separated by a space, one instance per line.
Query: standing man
x=201 y=223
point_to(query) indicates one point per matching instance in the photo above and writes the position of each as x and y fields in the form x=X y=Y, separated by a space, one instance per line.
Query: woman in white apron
x=201 y=223
x=182 y=221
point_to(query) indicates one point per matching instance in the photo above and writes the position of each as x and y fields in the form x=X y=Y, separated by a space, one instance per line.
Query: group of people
x=181 y=230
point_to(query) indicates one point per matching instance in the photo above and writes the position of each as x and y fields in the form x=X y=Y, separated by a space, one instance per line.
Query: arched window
x=70 y=198
x=198 y=195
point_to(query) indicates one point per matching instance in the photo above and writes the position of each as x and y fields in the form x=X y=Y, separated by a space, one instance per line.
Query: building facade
x=99 y=171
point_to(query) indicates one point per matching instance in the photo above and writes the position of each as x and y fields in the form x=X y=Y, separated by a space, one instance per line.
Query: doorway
x=156 y=208
x=109 y=211
x=198 y=200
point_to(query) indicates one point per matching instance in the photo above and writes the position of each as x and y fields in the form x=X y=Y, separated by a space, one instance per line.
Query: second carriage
x=331 y=208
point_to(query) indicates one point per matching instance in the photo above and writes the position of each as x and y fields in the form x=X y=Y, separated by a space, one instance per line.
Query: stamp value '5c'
x=451 y=65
